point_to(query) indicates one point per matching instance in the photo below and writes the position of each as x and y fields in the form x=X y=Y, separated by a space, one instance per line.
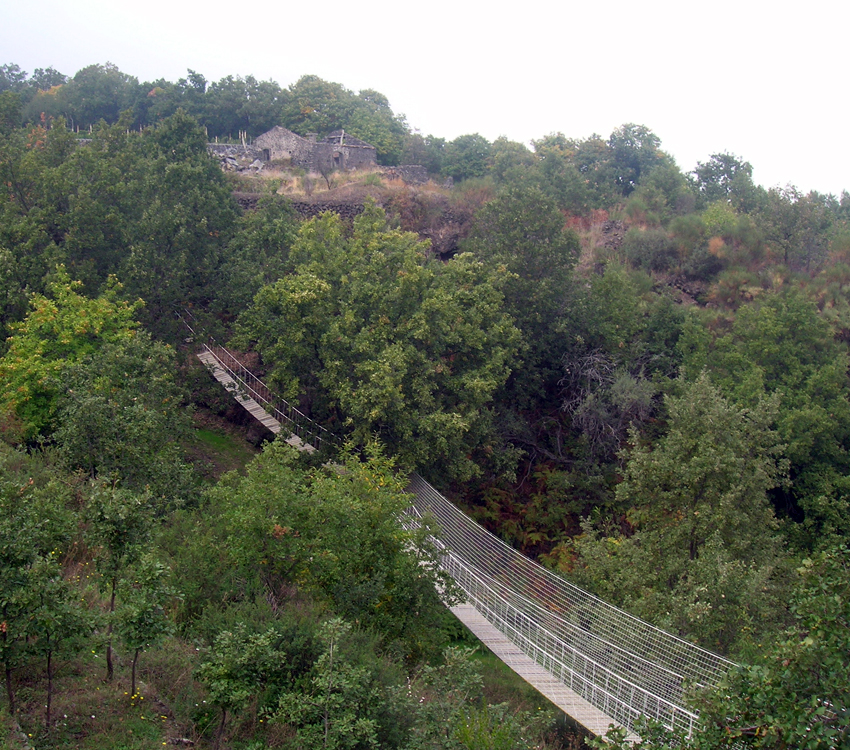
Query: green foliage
x=522 y=231
x=425 y=150
x=312 y=105
x=796 y=227
x=796 y=697
x=151 y=207
x=142 y=619
x=724 y=177
x=338 y=705
x=650 y=249
x=335 y=532
x=466 y=156
x=59 y=331
x=385 y=340
x=452 y=713
x=120 y=525
x=237 y=667
x=36 y=611
x=258 y=254
x=782 y=345
x=120 y=418
x=634 y=154
x=704 y=551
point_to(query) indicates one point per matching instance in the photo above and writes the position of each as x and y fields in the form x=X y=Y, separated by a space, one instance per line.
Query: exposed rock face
x=412 y=174
x=435 y=220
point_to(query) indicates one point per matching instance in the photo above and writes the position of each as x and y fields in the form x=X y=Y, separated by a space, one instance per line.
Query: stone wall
x=235 y=158
x=307 y=210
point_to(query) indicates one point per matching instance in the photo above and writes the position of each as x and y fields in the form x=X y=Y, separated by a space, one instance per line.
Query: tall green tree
x=522 y=230
x=781 y=345
x=704 y=553
x=120 y=525
x=120 y=418
x=467 y=156
x=335 y=533
x=35 y=528
x=143 y=620
x=386 y=341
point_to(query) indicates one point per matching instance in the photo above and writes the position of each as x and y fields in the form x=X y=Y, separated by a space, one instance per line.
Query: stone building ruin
x=338 y=151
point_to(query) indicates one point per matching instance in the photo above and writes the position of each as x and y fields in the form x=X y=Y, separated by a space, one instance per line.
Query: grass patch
x=216 y=452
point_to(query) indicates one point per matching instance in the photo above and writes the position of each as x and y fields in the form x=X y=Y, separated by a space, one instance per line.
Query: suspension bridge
x=597 y=663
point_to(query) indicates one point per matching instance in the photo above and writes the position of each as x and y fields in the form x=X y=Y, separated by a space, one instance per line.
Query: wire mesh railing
x=251 y=386
x=618 y=663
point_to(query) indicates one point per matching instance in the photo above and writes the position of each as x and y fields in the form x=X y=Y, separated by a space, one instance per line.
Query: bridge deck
x=539 y=678
x=251 y=406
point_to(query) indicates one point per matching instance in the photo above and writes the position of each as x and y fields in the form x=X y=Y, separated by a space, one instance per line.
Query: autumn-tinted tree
x=59 y=331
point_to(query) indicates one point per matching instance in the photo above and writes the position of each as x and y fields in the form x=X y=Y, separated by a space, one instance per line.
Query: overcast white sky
x=765 y=81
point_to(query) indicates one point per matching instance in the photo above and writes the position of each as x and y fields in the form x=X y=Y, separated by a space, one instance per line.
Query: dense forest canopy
x=635 y=374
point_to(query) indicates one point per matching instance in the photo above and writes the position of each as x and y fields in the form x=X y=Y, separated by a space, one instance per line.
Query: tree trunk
x=49 y=689
x=10 y=693
x=7 y=668
x=220 y=731
x=133 y=672
x=110 y=672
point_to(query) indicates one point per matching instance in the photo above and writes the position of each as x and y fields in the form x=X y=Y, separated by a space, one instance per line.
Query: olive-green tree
x=703 y=556
x=119 y=528
x=378 y=339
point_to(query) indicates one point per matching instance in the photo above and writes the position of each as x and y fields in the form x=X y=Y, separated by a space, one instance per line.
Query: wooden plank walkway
x=538 y=677
x=251 y=406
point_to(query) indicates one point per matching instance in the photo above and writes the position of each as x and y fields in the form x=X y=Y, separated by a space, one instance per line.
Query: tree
x=795 y=696
x=335 y=533
x=335 y=709
x=119 y=526
x=58 y=623
x=120 y=419
x=704 y=550
x=12 y=78
x=237 y=666
x=522 y=231
x=724 y=177
x=384 y=341
x=35 y=527
x=634 y=154
x=59 y=330
x=188 y=216
x=142 y=618
x=781 y=345
x=466 y=156
x=258 y=254
x=100 y=92
x=796 y=226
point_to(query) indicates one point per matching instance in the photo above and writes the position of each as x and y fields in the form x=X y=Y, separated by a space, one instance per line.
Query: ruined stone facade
x=337 y=151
